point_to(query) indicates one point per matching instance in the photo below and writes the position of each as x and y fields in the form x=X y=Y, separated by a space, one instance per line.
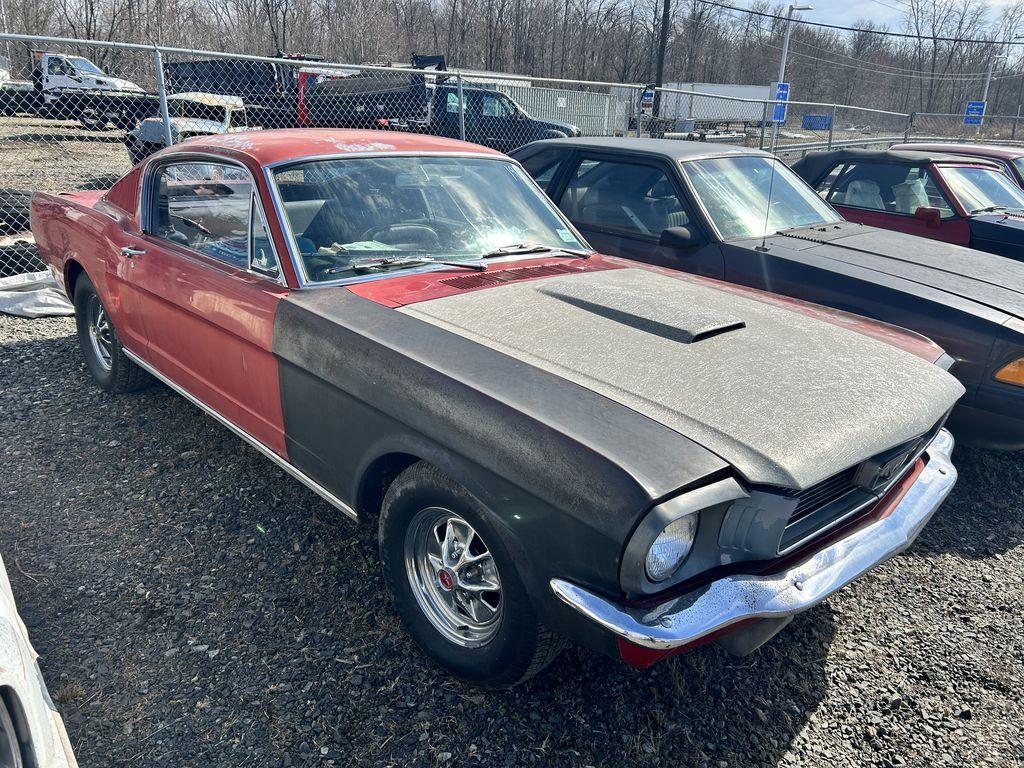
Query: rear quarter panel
x=85 y=230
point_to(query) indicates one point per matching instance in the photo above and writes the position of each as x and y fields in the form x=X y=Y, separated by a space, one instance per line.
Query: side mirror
x=930 y=216
x=677 y=237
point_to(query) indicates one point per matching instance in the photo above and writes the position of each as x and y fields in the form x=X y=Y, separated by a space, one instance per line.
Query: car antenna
x=768 y=209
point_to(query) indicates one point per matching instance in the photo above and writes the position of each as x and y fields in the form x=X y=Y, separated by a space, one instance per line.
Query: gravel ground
x=58 y=155
x=194 y=606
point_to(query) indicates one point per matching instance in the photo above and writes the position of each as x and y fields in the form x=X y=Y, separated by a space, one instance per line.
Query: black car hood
x=567 y=128
x=1000 y=233
x=985 y=278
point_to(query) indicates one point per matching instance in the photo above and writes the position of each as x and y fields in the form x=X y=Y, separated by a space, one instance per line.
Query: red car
x=1010 y=158
x=551 y=443
x=960 y=200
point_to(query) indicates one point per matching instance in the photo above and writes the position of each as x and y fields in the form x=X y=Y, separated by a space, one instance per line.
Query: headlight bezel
x=633 y=576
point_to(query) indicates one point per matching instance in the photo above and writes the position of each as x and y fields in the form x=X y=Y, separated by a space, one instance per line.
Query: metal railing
x=65 y=128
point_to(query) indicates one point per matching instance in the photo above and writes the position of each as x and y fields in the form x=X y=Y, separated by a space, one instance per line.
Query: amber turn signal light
x=1012 y=372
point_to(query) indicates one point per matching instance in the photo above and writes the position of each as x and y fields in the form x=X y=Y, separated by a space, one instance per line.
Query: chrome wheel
x=101 y=333
x=453 y=577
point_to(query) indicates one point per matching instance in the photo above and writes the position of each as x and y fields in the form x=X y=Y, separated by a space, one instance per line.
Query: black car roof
x=673 y=149
x=813 y=165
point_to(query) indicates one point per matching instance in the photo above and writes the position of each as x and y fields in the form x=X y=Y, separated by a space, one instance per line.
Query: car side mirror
x=677 y=237
x=930 y=216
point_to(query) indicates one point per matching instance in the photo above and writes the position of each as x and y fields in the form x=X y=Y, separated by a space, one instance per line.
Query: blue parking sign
x=974 y=113
x=781 y=97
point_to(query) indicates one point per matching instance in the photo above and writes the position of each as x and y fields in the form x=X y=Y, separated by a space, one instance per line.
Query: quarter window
x=897 y=189
x=629 y=197
x=543 y=167
x=212 y=208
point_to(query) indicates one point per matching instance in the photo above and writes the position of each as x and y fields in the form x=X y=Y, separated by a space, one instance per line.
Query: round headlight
x=670 y=548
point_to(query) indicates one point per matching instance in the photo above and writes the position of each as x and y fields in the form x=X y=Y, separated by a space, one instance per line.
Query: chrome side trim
x=291 y=469
x=731 y=599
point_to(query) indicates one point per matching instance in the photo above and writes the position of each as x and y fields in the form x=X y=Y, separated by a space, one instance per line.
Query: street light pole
x=785 y=54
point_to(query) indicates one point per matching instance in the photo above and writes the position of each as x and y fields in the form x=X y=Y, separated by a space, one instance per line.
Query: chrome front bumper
x=687 y=619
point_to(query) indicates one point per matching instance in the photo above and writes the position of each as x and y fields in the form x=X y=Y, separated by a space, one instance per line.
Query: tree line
x=614 y=40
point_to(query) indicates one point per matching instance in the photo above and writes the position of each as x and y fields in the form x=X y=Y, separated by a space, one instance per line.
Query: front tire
x=104 y=355
x=454 y=585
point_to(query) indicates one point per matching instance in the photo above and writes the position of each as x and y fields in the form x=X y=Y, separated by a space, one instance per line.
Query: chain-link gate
x=76 y=114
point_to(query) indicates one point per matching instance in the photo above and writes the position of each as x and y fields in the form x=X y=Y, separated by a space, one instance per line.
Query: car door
x=207 y=280
x=499 y=125
x=623 y=205
x=892 y=196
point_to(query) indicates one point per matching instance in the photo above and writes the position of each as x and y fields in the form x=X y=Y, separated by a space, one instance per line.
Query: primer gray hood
x=788 y=400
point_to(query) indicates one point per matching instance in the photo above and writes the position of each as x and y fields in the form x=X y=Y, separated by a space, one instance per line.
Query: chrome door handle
x=131 y=252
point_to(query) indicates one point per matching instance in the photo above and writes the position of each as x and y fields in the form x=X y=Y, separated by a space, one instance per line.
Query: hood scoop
x=675 y=322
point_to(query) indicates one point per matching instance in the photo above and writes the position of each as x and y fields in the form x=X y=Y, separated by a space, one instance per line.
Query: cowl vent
x=488 y=279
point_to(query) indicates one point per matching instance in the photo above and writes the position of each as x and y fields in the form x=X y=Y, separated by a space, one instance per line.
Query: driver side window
x=211 y=208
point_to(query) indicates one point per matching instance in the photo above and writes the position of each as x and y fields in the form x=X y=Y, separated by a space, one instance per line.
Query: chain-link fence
x=77 y=114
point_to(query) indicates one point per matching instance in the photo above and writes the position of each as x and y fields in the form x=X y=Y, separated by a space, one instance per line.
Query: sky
x=847 y=12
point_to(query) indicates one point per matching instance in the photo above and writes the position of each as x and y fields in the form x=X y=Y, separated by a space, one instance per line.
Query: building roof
x=273 y=146
x=674 y=149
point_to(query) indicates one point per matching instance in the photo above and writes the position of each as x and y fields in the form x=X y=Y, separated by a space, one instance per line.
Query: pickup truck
x=68 y=87
x=312 y=95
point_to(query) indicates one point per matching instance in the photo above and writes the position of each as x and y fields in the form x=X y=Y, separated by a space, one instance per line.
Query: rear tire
x=104 y=356
x=10 y=746
x=488 y=637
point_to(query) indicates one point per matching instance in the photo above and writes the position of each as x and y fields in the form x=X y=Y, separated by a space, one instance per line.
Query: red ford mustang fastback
x=553 y=443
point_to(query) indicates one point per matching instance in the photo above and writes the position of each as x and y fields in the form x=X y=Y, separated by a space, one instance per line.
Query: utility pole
x=659 y=67
x=988 y=77
x=785 y=53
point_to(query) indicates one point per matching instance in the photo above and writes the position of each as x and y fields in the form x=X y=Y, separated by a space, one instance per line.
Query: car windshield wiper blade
x=990 y=209
x=516 y=249
x=386 y=262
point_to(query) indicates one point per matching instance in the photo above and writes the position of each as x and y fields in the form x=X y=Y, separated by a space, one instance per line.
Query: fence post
x=637 y=112
x=910 y=127
x=1013 y=133
x=832 y=125
x=161 y=90
x=764 y=120
x=462 y=108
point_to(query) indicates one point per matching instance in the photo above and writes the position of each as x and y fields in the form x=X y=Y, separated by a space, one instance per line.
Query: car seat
x=910 y=195
x=862 y=193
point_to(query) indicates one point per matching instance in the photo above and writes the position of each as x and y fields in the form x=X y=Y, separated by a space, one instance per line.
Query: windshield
x=981 y=188
x=1019 y=165
x=86 y=66
x=342 y=211
x=735 y=191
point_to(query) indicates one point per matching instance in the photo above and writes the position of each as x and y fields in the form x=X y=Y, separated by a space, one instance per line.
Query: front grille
x=825 y=492
x=834 y=499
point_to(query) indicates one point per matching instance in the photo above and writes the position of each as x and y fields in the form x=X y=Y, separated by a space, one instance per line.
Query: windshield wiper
x=521 y=248
x=367 y=265
x=989 y=209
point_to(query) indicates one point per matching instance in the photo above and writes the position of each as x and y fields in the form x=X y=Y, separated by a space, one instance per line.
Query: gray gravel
x=194 y=606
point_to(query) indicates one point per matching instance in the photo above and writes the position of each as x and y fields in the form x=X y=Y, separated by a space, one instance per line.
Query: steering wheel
x=419 y=234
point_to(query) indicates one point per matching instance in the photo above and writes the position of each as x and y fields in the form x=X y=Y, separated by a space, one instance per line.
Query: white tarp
x=35 y=294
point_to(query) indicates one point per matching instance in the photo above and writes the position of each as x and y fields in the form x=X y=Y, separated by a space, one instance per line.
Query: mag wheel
x=455 y=587
x=104 y=356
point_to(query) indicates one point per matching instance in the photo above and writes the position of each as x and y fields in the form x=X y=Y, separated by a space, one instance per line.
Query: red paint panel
x=267 y=147
x=398 y=291
x=639 y=657
x=210 y=329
